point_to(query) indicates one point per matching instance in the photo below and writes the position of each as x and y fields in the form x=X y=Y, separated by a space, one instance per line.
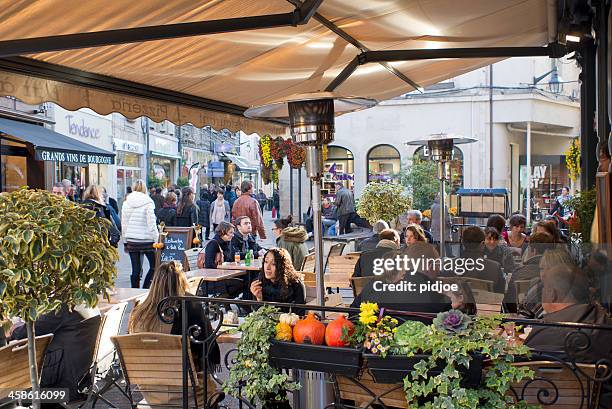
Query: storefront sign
x=73 y=157
x=82 y=130
x=538 y=175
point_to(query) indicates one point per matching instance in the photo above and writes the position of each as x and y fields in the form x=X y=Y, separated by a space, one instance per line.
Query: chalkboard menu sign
x=176 y=242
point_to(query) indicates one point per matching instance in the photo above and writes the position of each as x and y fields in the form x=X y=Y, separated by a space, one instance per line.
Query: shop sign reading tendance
x=73 y=157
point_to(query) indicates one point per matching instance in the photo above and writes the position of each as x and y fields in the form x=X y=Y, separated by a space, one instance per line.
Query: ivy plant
x=53 y=253
x=252 y=374
x=452 y=340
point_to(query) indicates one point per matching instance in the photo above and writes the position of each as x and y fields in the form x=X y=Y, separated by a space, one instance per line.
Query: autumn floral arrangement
x=572 y=159
x=272 y=153
x=375 y=331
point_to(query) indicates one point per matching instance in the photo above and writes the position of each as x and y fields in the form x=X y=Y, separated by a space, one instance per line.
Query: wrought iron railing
x=577 y=342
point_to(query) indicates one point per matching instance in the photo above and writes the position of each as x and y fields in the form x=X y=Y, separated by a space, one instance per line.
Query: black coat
x=410 y=301
x=491 y=272
x=188 y=217
x=369 y=243
x=212 y=249
x=272 y=292
x=203 y=212
x=70 y=353
x=241 y=246
x=167 y=215
x=365 y=265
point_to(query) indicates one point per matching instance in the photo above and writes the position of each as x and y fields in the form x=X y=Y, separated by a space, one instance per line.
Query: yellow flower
x=367 y=314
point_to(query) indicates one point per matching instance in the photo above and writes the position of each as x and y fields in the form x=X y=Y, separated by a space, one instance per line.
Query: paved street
x=124 y=267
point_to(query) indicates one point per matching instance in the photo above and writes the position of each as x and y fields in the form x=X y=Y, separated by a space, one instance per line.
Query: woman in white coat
x=139 y=228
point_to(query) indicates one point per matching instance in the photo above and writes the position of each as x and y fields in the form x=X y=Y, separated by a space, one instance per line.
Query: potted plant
x=308 y=352
x=53 y=252
x=383 y=201
x=252 y=374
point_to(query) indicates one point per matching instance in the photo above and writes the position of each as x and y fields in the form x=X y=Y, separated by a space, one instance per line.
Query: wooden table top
x=215 y=274
x=121 y=295
x=255 y=265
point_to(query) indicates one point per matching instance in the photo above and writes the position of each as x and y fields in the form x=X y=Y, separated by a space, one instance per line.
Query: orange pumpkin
x=196 y=241
x=283 y=332
x=309 y=331
x=334 y=330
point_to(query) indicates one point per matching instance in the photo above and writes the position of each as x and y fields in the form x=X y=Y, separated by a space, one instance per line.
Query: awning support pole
x=528 y=187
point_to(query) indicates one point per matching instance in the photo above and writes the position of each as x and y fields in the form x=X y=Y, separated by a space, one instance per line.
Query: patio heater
x=441 y=150
x=311 y=121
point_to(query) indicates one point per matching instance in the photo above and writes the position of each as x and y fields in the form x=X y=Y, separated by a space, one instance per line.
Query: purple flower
x=452 y=322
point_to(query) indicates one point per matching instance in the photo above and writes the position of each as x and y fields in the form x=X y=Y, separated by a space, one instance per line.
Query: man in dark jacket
x=388 y=241
x=371 y=242
x=243 y=240
x=70 y=353
x=538 y=244
x=565 y=298
x=204 y=212
x=345 y=208
x=473 y=249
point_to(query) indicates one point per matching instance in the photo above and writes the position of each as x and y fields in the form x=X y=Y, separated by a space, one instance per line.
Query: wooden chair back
x=192 y=258
x=340 y=271
x=359 y=283
x=104 y=352
x=309 y=262
x=193 y=283
x=15 y=367
x=558 y=386
x=336 y=250
x=154 y=362
x=487 y=310
x=487 y=297
x=478 y=284
x=522 y=286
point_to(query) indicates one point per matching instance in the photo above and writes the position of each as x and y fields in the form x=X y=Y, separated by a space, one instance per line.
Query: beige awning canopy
x=210 y=79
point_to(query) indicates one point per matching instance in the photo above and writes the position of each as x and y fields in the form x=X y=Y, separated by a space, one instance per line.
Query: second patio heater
x=441 y=150
x=311 y=121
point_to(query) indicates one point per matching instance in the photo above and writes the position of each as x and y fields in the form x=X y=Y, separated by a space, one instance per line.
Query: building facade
x=536 y=93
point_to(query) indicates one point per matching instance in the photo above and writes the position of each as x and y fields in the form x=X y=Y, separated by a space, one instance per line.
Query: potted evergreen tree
x=53 y=252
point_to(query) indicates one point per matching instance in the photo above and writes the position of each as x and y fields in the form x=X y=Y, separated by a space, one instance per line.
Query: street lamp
x=441 y=150
x=311 y=121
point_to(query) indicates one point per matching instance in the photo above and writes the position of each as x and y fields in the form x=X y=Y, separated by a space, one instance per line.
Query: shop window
x=14 y=165
x=383 y=164
x=456 y=165
x=338 y=166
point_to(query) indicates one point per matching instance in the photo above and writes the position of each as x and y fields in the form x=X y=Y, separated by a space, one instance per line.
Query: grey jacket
x=345 y=203
x=228 y=212
x=435 y=222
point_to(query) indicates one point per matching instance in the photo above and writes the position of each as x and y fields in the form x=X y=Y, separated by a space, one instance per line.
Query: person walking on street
x=187 y=211
x=138 y=224
x=345 y=207
x=158 y=199
x=247 y=206
x=92 y=200
x=435 y=221
x=262 y=199
x=204 y=212
x=167 y=214
x=219 y=210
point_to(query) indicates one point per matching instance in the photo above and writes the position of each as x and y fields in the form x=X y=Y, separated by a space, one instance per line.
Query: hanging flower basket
x=572 y=159
x=264 y=151
x=296 y=156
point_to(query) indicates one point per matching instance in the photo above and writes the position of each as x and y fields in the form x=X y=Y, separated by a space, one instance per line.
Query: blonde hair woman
x=139 y=227
x=170 y=281
x=92 y=200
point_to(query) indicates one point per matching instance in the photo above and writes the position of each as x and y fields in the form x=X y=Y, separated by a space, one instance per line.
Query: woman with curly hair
x=278 y=281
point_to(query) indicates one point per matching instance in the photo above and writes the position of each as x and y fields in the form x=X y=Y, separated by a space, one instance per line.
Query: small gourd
x=290 y=319
x=309 y=331
x=284 y=332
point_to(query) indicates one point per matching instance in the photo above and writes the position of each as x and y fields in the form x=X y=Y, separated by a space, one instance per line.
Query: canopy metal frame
x=12 y=52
